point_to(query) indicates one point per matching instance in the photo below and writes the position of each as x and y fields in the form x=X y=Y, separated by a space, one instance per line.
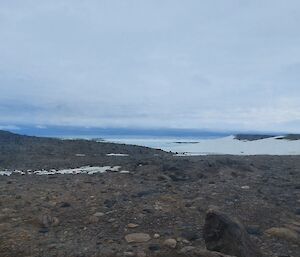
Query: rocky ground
x=158 y=209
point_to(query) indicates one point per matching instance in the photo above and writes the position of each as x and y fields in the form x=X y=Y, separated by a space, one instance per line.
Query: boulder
x=227 y=235
x=171 y=243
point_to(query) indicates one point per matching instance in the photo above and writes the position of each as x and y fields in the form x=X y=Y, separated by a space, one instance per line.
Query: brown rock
x=132 y=225
x=284 y=233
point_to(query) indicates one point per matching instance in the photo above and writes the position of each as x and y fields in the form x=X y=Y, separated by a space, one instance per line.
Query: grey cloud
x=231 y=64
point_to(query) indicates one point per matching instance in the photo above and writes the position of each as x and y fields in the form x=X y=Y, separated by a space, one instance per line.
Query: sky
x=215 y=64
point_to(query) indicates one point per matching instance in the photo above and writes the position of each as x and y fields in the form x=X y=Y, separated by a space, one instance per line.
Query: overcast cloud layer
x=218 y=64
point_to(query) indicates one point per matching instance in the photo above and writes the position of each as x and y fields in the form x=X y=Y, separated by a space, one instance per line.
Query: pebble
x=137 y=238
x=141 y=254
x=98 y=214
x=132 y=225
x=187 y=249
x=171 y=243
x=129 y=254
x=65 y=205
x=254 y=230
x=93 y=219
x=154 y=247
x=47 y=221
x=156 y=236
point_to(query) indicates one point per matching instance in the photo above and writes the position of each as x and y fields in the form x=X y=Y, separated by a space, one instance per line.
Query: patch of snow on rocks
x=82 y=170
x=124 y=171
x=117 y=154
x=8 y=173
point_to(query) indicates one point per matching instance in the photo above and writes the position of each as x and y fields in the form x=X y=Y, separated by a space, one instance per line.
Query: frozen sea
x=210 y=146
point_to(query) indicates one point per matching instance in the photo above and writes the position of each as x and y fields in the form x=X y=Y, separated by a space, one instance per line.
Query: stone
x=190 y=235
x=156 y=236
x=187 y=249
x=227 y=235
x=109 y=203
x=254 y=230
x=171 y=243
x=47 y=221
x=43 y=230
x=154 y=247
x=93 y=219
x=283 y=233
x=128 y=254
x=132 y=225
x=137 y=238
x=98 y=214
x=141 y=254
x=65 y=205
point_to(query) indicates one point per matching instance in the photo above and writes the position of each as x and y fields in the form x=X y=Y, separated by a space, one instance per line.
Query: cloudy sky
x=217 y=64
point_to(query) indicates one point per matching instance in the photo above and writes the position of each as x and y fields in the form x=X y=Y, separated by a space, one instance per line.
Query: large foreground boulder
x=227 y=235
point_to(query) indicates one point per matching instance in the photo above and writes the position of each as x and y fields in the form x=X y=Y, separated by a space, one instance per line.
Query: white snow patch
x=82 y=170
x=124 y=171
x=5 y=173
x=9 y=172
x=117 y=154
x=80 y=155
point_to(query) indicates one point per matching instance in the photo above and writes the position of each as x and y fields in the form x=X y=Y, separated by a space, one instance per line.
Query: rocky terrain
x=159 y=208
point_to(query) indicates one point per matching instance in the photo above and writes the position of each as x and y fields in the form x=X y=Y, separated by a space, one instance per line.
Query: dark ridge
x=22 y=152
x=290 y=137
x=250 y=137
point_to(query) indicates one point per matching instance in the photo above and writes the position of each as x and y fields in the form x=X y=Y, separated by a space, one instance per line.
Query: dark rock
x=254 y=230
x=154 y=247
x=227 y=235
x=109 y=203
x=144 y=193
x=43 y=230
x=47 y=221
x=178 y=176
x=190 y=235
x=65 y=205
x=148 y=211
x=169 y=168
